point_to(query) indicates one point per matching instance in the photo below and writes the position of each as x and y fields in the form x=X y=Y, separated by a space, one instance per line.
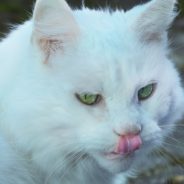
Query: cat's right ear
x=54 y=26
x=151 y=20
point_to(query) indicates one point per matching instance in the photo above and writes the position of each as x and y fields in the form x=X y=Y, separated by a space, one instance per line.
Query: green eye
x=88 y=99
x=145 y=92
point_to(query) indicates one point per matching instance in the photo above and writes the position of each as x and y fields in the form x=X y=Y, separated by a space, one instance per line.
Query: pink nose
x=129 y=144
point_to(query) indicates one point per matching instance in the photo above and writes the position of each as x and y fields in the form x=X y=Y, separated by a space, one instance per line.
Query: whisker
x=172 y=138
x=177 y=48
x=67 y=159
x=171 y=125
x=166 y=165
x=172 y=145
x=172 y=154
x=56 y=148
x=25 y=174
x=72 y=165
x=177 y=161
x=170 y=158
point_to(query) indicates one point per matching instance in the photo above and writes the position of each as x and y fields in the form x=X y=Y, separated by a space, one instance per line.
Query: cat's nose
x=128 y=131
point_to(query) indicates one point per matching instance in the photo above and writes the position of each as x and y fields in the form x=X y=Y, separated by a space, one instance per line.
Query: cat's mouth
x=126 y=147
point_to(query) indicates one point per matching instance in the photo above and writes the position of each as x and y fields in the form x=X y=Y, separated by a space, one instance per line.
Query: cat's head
x=95 y=78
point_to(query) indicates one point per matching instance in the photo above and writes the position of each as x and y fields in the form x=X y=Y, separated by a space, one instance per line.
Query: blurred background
x=164 y=166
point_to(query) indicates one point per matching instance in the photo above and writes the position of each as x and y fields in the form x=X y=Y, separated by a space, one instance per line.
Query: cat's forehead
x=113 y=71
x=103 y=27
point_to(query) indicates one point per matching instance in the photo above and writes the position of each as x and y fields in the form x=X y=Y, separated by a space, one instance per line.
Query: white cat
x=86 y=94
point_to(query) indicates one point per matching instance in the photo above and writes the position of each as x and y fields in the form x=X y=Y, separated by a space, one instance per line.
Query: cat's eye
x=88 y=99
x=146 y=92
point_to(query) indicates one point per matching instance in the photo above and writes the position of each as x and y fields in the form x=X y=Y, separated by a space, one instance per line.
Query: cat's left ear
x=54 y=26
x=154 y=18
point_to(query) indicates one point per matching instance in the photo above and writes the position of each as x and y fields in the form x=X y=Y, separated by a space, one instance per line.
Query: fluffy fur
x=47 y=135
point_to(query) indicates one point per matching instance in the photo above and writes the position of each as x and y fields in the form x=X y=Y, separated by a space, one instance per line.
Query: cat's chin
x=115 y=163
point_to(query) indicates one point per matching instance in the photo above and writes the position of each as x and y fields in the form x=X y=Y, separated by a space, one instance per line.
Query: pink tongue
x=129 y=144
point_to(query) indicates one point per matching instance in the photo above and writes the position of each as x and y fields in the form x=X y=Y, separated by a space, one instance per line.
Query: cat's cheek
x=175 y=111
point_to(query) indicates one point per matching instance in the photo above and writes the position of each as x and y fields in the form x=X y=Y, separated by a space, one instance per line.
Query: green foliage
x=13 y=12
x=181 y=8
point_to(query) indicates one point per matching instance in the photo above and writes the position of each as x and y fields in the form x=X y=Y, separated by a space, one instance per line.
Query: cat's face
x=109 y=59
x=117 y=75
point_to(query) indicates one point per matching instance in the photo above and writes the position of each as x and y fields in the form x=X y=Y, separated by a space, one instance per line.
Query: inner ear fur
x=154 y=20
x=55 y=27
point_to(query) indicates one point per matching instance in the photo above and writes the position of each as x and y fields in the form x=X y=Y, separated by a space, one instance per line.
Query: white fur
x=55 y=138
